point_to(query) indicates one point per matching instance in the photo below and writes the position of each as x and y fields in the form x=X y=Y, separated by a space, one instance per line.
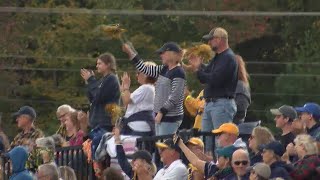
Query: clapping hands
x=125 y=85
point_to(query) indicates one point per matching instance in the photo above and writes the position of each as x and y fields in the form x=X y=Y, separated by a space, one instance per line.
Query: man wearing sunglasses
x=240 y=163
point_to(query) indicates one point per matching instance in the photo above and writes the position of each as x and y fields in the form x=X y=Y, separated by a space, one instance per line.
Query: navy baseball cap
x=275 y=146
x=169 y=46
x=311 y=108
x=25 y=110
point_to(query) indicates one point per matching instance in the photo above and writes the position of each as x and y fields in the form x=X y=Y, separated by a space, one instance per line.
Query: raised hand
x=125 y=85
x=127 y=48
x=86 y=74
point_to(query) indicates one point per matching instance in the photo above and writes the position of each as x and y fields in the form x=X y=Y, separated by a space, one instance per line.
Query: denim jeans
x=165 y=128
x=215 y=114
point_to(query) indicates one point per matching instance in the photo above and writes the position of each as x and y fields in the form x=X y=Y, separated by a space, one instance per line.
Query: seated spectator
x=83 y=119
x=310 y=115
x=220 y=170
x=284 y=117
x=46 y=149
x=173 y=168
x=240 y=164
x=305 y=167
x=18 y=157
x=138 y=119
x=271 y=155
x=112 y=174
x=67 y=173
x=260 y=136
x=196 y=146
x=74 y=133
x=228 y=135
x=48 y=172
x=4 y=141
x=298 y=126
x=25 y=118
x=260 y=171
x=62 y=113
x=141 y=165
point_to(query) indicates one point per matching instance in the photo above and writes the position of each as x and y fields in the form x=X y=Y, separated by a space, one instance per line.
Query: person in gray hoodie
x=18 y=157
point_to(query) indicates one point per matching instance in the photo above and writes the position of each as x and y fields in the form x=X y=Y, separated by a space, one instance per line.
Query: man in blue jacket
x=220 y=78
x=18 y=157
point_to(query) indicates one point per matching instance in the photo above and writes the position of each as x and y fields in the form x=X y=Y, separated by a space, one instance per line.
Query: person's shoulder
x=177 y=72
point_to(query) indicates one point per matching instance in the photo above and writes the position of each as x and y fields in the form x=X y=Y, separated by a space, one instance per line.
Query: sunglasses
x=241 y=162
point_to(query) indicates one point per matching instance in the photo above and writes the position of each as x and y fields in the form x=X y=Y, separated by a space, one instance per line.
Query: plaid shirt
x=27 y=138
x=306 y=168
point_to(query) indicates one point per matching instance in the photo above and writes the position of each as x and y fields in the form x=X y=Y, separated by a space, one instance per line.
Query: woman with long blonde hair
x=243 y=96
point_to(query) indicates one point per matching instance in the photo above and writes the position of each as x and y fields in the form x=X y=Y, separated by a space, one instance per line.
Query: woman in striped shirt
x=169 y=87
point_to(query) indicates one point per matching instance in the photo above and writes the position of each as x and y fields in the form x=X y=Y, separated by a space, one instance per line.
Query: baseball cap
x=142 y=154
x=216 y=32
x=168 y=143
x=169 y=46
x=226 y=151
x=311 y=108
x=196 y=141
x=285 y=110
x=275 y=146
x=262 y=169
x=25 y=110
x=230 y=128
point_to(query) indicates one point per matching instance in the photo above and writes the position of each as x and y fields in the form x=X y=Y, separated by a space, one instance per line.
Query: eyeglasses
x=63 y=115
x=241 y=162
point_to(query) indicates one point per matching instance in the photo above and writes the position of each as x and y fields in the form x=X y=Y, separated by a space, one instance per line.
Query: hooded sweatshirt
x=18 y=157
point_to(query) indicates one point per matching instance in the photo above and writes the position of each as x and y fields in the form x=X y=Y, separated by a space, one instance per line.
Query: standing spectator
x=220 y=77
x=48 y=172
x=271 y=155
x=260 y=171
x=284 y=117
x=227 y=135
x=169 y=90
x=138 y=119
x=260 y=136
x=309 y=161
x=310 y=115
x=18 y=156
x=240 y=164
x=62 y=113
x=243 y=96
x=74 y=133
x=102 y=92
x=173 y=168
x=25 y=118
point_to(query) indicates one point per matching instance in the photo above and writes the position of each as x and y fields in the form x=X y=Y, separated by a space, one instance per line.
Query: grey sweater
x=169 y=89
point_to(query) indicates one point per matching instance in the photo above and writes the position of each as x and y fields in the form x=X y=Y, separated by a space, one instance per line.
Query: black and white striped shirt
x=169 y=88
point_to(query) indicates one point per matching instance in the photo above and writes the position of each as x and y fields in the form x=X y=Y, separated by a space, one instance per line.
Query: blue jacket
x=220 y=76
x=19 y=156
x=280 y=169
x=100 y=93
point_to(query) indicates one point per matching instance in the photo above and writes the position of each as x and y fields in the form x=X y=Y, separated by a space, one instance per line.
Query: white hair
x=309 y=144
